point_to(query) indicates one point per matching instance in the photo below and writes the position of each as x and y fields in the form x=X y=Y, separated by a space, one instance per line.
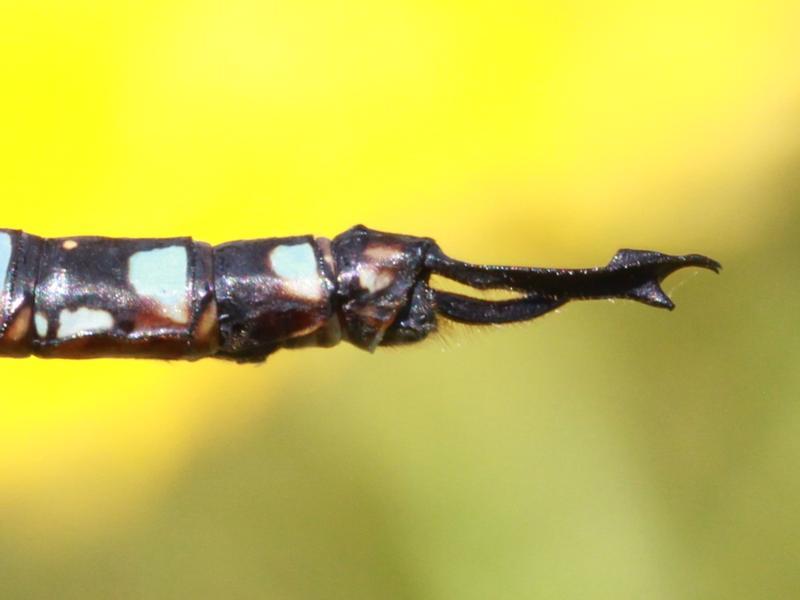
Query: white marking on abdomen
x=374 y=279
x=83 y=320
x=5 y=258
x=296 y=265
x=378 y=272
x=40 y=321
x=162 y=275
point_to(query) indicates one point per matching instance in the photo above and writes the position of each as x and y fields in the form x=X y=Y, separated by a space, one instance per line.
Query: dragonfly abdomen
x=84 y=297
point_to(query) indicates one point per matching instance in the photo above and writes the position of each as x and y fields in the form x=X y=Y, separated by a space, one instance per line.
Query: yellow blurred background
x=608 y=451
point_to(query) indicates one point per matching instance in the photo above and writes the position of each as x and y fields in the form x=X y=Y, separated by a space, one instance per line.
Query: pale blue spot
x=294 y=262
x=5 y=258
x=40 y=321
x=296 y=265
x=162 y=275
x=83 y=320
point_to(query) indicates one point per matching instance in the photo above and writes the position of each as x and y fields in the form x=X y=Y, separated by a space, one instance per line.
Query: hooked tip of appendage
x=675 y=263
x=659 y=266
x=695 y=260
x=627 y=258
x=704 y=262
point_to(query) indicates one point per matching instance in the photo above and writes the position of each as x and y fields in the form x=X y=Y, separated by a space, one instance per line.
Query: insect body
x=86 y=297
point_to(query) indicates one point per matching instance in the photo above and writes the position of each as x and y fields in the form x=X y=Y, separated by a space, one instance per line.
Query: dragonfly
x=176 y=298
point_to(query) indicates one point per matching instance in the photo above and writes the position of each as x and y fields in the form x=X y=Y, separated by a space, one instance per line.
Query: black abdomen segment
x=85 y=297
x=269 y=292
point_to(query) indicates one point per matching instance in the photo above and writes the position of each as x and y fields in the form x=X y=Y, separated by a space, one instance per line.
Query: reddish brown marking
x=207 y=331
x=20 y=325
x=384 y=254
x=324 y=244
x=165 y=346
x=149 y=318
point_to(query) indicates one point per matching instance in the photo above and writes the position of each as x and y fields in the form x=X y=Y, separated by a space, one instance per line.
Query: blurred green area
x=609 y=451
